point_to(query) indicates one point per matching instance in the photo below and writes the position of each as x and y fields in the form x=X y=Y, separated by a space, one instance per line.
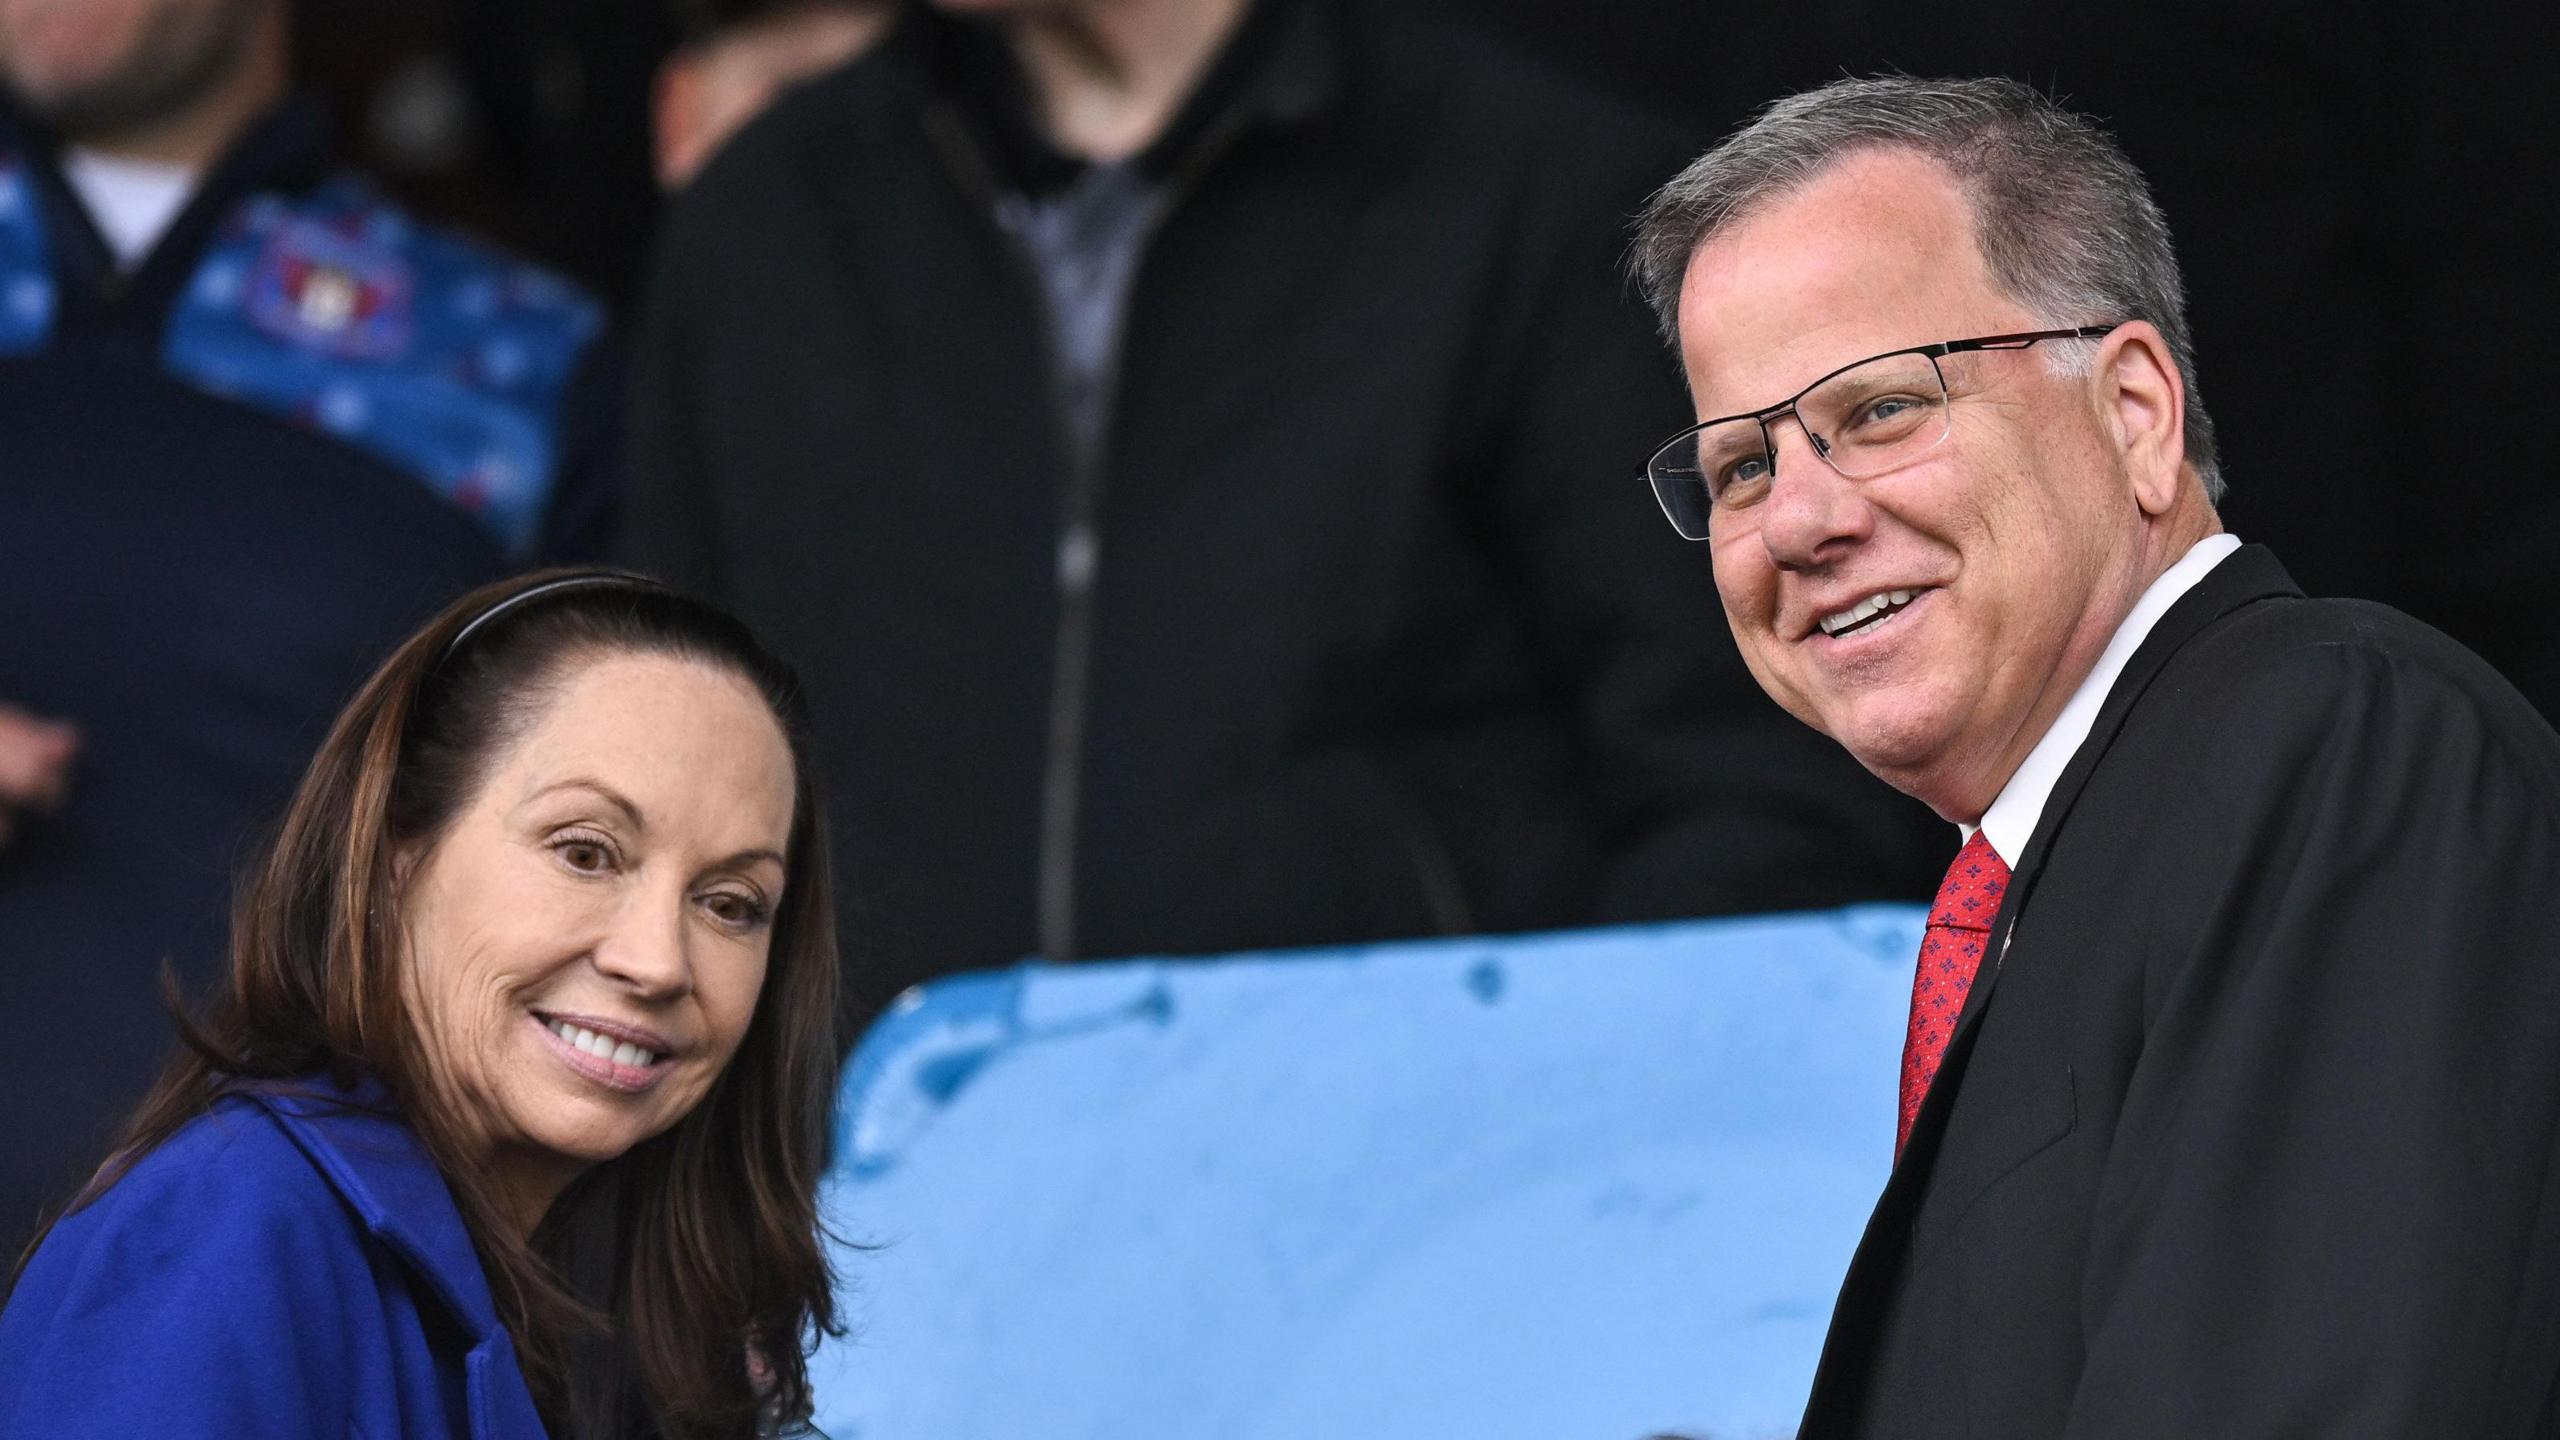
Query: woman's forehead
x=682 y=742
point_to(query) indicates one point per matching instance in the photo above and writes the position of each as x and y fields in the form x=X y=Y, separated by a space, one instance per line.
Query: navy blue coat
x=230 y=481
x=286 y=1266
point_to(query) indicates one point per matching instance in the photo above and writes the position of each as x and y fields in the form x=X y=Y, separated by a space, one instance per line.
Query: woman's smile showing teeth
x=618 y=1061
x=1868 y=614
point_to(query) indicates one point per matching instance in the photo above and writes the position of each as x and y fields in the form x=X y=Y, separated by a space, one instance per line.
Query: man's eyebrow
x=601 y=791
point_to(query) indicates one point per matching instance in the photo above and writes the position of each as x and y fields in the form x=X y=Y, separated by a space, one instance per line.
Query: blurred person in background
x=741 y=57
x=259 y=422
x=510 y=1120
x=35 y=764
x=1177 y=436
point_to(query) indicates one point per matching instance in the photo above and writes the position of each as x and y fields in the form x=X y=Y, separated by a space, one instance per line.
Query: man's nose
x=1812 y=512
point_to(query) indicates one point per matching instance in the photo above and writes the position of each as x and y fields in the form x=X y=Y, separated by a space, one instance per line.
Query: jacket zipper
x=1079 y=554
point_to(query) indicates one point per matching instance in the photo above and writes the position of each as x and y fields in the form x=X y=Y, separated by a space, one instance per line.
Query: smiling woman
x=510 y=1120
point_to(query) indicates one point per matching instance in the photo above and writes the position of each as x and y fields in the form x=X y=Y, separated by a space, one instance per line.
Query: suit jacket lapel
x=2251 y=573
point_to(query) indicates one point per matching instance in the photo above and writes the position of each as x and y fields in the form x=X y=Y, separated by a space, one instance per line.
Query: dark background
x=2362 y=193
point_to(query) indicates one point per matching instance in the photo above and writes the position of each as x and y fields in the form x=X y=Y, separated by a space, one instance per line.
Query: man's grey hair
x=2065 y=222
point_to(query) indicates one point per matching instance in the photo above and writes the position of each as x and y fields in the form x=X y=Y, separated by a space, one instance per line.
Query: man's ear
x=2143 y=403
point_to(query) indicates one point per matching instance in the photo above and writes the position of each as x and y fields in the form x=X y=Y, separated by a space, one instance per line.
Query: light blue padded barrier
x=1591 y=1186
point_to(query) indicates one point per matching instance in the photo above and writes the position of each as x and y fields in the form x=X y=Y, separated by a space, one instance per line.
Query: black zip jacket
x=1381 y=633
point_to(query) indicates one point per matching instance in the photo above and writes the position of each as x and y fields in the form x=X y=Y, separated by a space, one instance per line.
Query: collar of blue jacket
x=290 y=1265
x=370 y=1156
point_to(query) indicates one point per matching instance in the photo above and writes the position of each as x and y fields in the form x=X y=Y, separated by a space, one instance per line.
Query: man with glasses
x=2231 y=1097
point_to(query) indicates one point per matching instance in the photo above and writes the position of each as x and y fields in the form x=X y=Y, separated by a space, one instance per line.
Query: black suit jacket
x=2249 y=1127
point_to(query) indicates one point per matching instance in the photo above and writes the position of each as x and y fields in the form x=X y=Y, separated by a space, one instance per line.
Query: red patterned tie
x=1959 y=926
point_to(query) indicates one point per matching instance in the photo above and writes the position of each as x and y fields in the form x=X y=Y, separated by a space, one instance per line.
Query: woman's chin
x=586 y=1129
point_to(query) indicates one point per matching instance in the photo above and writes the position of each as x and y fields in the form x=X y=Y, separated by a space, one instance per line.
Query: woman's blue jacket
x=289 y=1265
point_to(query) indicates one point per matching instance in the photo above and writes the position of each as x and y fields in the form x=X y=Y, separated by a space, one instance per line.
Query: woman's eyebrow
x=601 y=791
x=745 y=858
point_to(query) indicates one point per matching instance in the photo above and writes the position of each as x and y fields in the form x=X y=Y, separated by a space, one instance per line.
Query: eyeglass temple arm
x=2021 y=340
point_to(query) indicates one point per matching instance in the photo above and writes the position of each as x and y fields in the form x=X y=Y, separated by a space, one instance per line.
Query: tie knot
x=1970 y=895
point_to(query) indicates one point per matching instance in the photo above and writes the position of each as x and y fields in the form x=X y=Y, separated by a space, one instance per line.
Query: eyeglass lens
x=1863 y=421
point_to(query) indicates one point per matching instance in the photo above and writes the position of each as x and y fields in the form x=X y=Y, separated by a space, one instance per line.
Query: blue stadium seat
x=1595 y=1185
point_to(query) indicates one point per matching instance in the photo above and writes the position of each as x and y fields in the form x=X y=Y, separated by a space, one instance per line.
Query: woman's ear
x=406 y=857
x=2143 y=403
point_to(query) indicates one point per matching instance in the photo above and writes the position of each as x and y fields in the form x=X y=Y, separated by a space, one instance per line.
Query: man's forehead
x=1873 y=253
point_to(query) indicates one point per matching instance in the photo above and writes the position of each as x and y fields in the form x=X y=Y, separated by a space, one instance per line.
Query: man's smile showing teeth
x=1867 y=614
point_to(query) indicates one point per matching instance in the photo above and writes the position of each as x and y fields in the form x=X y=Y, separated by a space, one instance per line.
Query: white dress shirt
x=2012 y=818
x=132 y=201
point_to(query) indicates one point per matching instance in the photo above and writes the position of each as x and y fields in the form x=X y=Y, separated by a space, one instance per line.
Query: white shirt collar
x=2012 y=818
x=133 y=201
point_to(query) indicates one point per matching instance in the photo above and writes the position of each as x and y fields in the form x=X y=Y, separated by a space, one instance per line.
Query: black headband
x=588 y=580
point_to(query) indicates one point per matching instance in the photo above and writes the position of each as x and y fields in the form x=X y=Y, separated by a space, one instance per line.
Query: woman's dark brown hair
x=639 y=1304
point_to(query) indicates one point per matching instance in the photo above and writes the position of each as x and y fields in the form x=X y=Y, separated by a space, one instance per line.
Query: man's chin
x=109 y=79
x=60 y=62
x=1888 y=727
x=1904 y=751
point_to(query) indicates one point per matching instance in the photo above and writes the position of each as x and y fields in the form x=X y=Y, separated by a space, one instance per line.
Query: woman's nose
x=649 y=948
